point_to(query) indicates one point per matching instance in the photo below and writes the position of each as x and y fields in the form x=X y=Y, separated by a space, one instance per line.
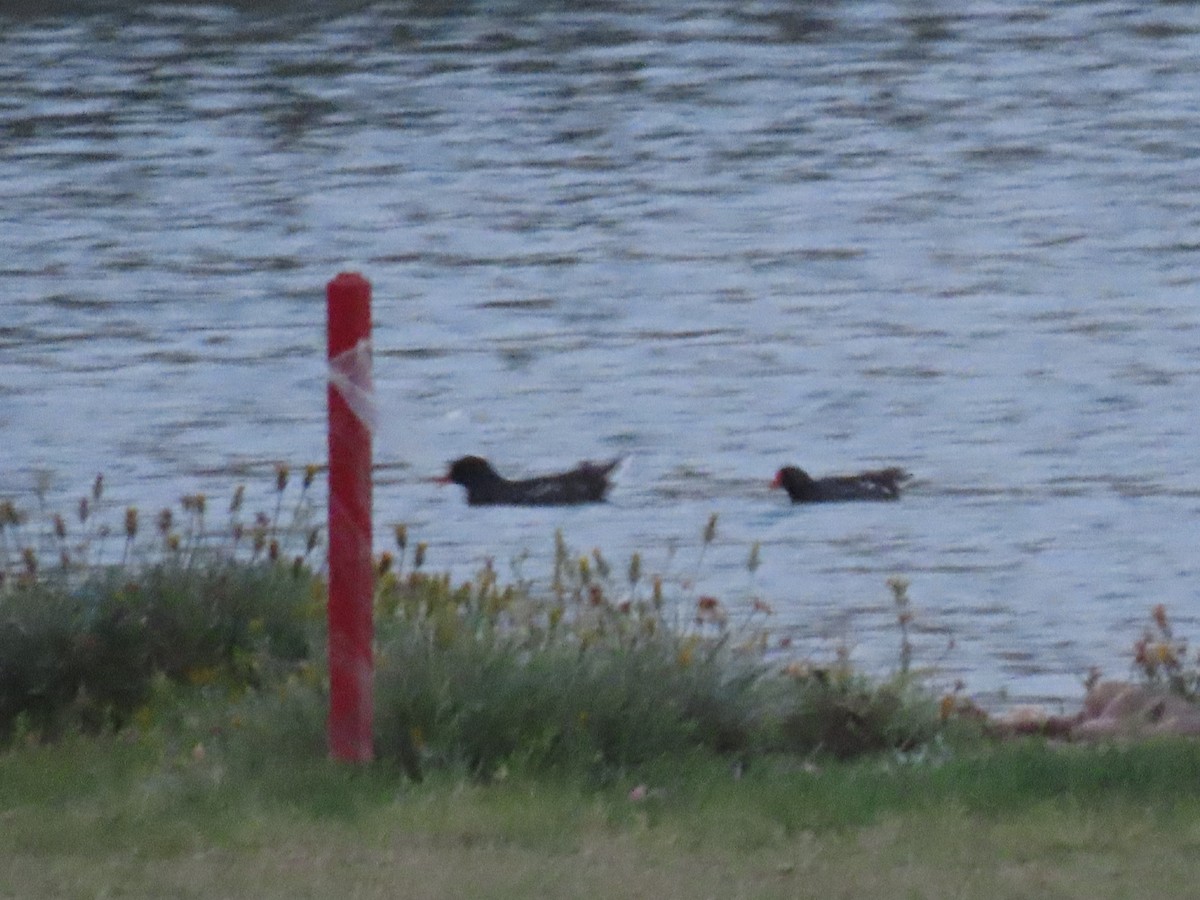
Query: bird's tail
x=614 y=469
x=893 y=475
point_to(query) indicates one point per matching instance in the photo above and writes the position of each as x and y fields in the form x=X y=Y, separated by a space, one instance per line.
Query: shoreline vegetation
x=162 y=688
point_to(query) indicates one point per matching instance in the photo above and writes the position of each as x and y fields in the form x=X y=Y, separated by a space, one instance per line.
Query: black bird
x=876 y=484
x=586 y=483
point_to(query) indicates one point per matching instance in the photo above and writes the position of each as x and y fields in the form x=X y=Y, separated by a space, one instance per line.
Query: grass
x=995 y=862
x=106 y=816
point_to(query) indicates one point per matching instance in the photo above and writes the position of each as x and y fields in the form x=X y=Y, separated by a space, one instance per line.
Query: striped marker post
x=351 y=573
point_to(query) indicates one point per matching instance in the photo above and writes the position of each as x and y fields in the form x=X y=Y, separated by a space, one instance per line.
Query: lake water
x=715 y=236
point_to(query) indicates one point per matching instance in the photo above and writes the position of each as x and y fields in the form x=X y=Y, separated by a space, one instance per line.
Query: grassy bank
x=604 y=733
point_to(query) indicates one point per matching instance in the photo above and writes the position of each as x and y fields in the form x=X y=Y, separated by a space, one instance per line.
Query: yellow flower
x=201 y=675
x=686 y=653
x=635 y=568
x=946 y=706
x=798 y=670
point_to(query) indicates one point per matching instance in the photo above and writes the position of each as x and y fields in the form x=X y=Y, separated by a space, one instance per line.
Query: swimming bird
x=875 y=484
x=586 y=483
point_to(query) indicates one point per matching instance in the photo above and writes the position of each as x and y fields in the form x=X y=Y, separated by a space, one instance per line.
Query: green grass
x=115 y=816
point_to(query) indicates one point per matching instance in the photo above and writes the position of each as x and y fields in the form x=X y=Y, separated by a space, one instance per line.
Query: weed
x=1163 y=660
x=603 y=667
x=82 y=640
x=591 y=669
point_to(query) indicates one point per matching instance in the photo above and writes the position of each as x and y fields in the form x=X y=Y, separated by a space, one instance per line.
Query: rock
x=1120 y=709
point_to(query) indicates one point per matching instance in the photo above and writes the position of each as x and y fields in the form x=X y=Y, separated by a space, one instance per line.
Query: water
x=715 y=236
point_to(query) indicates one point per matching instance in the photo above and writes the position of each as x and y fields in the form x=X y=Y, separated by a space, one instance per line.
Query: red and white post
x=351 y=572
